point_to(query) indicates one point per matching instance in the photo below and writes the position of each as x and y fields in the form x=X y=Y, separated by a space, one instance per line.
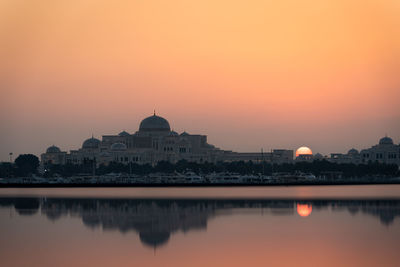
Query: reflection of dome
x=154 y=239
x=124 y=133
x=118 y=147
x=27 y=206
x=386 y=141
x=154 y=123
x=304 y=210
x=91 y=143
x=353 y=151
x=303 y=151
x=53 y=149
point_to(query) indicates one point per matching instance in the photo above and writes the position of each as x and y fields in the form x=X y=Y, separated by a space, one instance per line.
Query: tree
x=164 y=166
x=7 y=169
x=26 y=164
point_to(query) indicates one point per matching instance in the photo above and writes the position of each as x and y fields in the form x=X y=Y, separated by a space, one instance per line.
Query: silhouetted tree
x=7 y=169
x=164 y=166
x=26 y=164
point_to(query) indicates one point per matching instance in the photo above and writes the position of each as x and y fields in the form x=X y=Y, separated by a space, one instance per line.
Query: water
x=248 y=226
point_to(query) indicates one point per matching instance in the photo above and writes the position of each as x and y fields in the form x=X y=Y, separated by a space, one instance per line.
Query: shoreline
x=151 y=185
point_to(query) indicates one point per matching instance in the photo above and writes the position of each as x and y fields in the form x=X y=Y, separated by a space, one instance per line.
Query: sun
x=304 y=210
x=303 y=151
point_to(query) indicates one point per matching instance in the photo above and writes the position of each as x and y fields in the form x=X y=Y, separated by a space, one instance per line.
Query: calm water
x=249 y=226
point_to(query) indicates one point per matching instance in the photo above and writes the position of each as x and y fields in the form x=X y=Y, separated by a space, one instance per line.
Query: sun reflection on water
x=304 y=209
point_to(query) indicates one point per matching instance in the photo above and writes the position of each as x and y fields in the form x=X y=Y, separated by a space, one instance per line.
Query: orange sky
x=249 y=74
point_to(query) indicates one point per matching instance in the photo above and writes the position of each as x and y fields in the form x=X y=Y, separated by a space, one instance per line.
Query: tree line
x=27 y=164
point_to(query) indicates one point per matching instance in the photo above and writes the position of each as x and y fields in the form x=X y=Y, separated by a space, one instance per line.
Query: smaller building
x=276 y=156
x=53 y=155
x=352 y=156
x=383 y=152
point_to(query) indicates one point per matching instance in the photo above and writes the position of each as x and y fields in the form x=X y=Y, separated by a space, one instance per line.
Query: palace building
x=383 y=152
x=154 y=142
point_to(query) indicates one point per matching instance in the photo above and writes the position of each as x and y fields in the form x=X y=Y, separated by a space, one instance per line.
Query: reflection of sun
x=304 y=209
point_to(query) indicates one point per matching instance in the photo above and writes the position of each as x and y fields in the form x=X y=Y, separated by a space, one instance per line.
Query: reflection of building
x=154 y=142
x=156 y=220
x=384 y=152
x=153 y=220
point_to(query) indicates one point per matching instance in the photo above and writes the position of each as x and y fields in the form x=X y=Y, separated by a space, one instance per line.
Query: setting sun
x=303 y=151
x=153 y=133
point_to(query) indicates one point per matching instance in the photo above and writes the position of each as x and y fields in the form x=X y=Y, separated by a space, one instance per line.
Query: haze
x=249 y=74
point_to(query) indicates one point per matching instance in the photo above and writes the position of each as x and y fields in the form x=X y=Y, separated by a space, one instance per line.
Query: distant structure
x=384 y=152
x=54 y=155
x=152 y=143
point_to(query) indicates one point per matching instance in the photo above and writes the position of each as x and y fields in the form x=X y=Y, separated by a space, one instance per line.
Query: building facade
x=383 y=152
x=154 y=142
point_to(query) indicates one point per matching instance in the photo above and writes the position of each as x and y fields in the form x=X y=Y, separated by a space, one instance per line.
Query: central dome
x=154 y=123
x=386 y=141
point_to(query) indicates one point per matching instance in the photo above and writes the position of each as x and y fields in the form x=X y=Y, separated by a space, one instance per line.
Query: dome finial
x=154 y=112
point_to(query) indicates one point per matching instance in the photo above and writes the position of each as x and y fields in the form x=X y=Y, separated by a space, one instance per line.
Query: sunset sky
x=249 y=74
